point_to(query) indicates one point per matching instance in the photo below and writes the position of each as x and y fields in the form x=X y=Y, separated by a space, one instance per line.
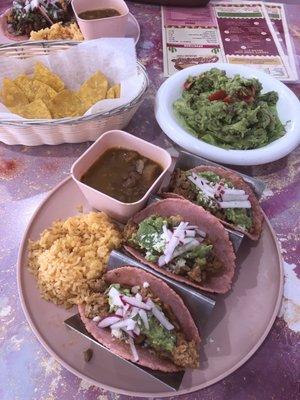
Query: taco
x=223 y=193
x=133 y=315
x=183 y=241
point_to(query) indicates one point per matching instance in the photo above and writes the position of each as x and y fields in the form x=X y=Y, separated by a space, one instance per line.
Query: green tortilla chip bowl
x=288 y=109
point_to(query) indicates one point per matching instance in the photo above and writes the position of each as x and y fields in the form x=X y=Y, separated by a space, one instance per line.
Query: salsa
x=231 y=113
x=99 y=13
x=122 y=174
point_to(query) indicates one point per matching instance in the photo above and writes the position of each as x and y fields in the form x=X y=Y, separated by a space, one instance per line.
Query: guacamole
x=229 y=112
x=192 y=257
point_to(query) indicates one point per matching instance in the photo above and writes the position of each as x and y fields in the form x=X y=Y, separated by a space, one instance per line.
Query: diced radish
x=144 y=318
x=108 y=321
x=134 y=302
x=235 y=204
x=133 y=350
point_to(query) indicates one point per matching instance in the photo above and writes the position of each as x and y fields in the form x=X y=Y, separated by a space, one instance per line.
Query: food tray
x=66 y=130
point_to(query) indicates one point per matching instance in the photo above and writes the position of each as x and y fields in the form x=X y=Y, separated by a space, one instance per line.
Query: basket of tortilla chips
x=68 y=92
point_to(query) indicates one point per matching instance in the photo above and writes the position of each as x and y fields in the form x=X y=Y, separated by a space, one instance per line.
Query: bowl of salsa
x=107 y=18
x=118 y=173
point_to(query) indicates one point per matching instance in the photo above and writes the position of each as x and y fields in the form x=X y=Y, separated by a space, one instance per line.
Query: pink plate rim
x=125 y=392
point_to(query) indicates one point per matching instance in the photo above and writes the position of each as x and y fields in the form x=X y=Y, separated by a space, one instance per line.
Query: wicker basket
x=66 y=130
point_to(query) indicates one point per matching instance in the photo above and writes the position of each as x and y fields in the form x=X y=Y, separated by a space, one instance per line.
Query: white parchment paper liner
x=114 y=57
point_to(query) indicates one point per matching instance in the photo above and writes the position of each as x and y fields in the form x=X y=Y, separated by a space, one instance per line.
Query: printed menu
x=231 y=32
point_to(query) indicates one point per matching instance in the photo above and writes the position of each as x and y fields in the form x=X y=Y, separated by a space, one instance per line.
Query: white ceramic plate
x=288 y=108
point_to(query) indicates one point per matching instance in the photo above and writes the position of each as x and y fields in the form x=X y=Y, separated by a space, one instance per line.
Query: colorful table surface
x=27 y=371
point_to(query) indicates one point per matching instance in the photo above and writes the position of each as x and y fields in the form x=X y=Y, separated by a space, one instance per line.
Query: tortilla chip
x=11 y=95
x=35 y=110
x=43 y=74
x=24 y=83
x=93 y=89
x=114 y=92
x=66 y=104
x=43 y=92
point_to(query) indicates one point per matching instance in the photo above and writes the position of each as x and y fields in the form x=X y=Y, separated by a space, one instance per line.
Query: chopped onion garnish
x=138 y=297
x=144 y=318
x=136 y=330
x=107 y=321
x=96 y=319
x=124 y=323
x=235 y=204
x=134 y=302
x=135 y=289
x=186 y=247
x=119 y=312
x=145 y=285
x=133 y=350
x=160 y=316
x=234 y=197
x=114 y=296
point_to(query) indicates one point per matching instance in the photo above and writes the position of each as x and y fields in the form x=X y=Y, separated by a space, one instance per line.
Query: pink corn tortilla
x=132 y=277
x=216 y=233
x=238 y=183
x=4 y=28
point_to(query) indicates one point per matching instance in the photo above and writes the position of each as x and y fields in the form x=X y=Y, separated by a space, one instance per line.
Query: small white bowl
x=288 y=108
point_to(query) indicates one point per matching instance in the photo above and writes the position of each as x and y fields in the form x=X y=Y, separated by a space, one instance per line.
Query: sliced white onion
x=161 y=261
x=202 y=184
x=138 y=297
x=119 y=312
x=235 y=204
x=144 y=318
x=234 y=191
x=131 y=324
x=190 y=232
x=135 y=289
x=108 y=321
x=130 y=333
x=160 y=316
x=186 y=247
x=134 y=312
x=201 y=233
x=136 y=330
x=122 y=324
x=234 y=197
x=114 y=295
x=134 y=302
x=133 y=350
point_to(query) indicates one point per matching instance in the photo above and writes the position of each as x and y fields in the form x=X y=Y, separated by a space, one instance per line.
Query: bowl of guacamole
x=229 y=113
